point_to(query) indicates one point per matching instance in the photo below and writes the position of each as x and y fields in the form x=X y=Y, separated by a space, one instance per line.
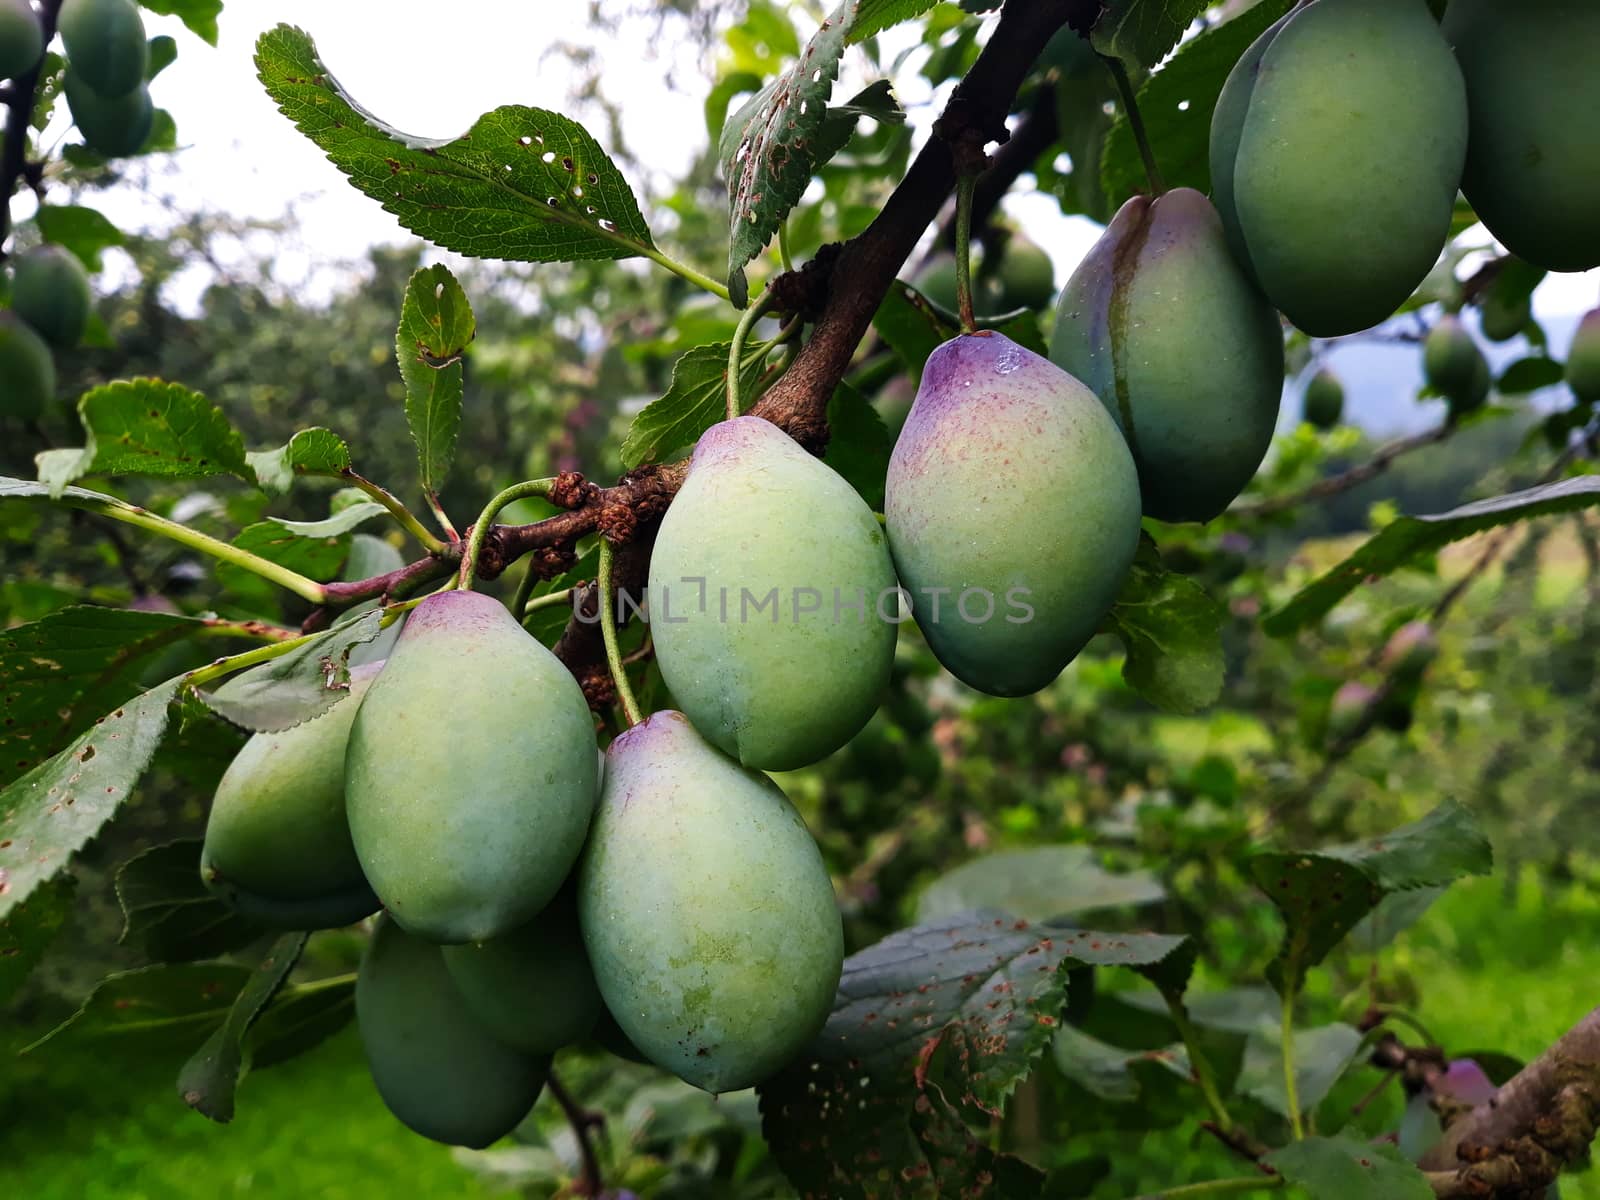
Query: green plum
x=1454 y=366
x=470 y=777
x=278 y=846
x=1502 y=318
x=1012 y=507
x=50 y=291
x=105 y=44
x=21 y=38
x=1336 y=149
x=1026 y=277
x=772 y=599
x=114 y=127
x=706 y=909
x=1533 y=94
x=1323 y=402
x=27 y=371
x=1194 y=386
x=1583 y=358
x=531 y=988
x=438 y=1070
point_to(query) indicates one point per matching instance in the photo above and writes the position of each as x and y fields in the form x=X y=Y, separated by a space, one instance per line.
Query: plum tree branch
x=1355 y=476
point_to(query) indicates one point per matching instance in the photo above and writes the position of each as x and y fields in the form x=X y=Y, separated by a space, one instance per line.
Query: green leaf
x=1321 y=1056
x=1410 y=537
x=1529 y=375
x=317 y=558
x=1339 y=1167
x=436 y=325
x=968 y=1003
x=769 y=149
x=147 y=427
x=1176 y=104
x=1171 y=630
x=696 y=400
x=199 y=15
x=911 y=325
x=163 y=53
x=167 y=908
x=309 y=452
x=300 y=1019
x=1143 y=31
x=164 y=1006
x=1322 y=894
x=1039 y=884
x=84 y=231
x=51 y=812
x=295 y=687
x=28 y=931
x=1245 y=1010
x=343 y=521
x=859 y=444
x=874 y=16
x=208 y=1080
x=876 y=101
x=522 y=184
x=52 y=668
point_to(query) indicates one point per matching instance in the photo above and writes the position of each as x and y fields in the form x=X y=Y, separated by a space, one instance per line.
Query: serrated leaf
x=950 y=1012
x=167 y=908
x=696 y=400
x=1171 y=630
x=874 y=16
x=523 y=184
x=147 y=427
x=436 y=325
x=84 y=231
x=199 y=15
x=295 y=687
x=1338 y=1168
x=769 y=148
x=309 y=452
x=208 y=1080
x=859 y=444
x=1321 y=895
x=28 y=931
x=1176 y=105
x=1529 y=375
x=51 y=812
x=1039 y=884
x=1143 y=31
x=1321 y=1056
x=52 y=668
x=165 y=1005
x=1407 y=538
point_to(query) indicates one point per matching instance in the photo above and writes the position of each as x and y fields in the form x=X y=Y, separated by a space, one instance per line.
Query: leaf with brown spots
x=1338 y=1168
x=51 y=812
x=436 y=325
x=295 y=687
x=164 y=1006
x=952 y=1013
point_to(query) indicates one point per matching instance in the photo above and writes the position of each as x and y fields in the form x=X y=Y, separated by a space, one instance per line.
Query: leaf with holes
x=147 y=427
x=859 y=444
x=953 y=1012
x=523 y=184
x=696 y=400
x=28 y=931
x=309 y=452
x=771 y=147
x=168 y=910
x=1337 y=1168
x=1171 y=630
x=1176 y=105
x=1322 y=894
x=1143 y=31
x=436 y=325
x=82 y=654
x=1040 y=884
x=209 y=1079
x=51 y=812
x=84 y=231
x=295 y=687
x=1407 y=538
x=162 y=1006
x=1321 y=1055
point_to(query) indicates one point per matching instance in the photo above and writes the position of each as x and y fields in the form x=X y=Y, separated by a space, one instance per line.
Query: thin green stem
x=1291 y=1089
x=530 y=579
x=403 y=515
x=1204 y=1076
x=783 y=245
x=964 y=189
x=1219 y=1187
x=1130 y=105
x=441 y=516
x=132 y=514
x=548 y=600
x=485 y=522
x=741 y=333
x=608 y=633
x=681 y=269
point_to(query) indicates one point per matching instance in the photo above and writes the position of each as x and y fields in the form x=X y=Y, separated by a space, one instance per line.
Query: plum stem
x=741 y=333
x=608 y=633
x=1291 y=1087
x=396 y=509
x=1130 y=105
x=583 y=1123
x=966 y=185
x=485 y=522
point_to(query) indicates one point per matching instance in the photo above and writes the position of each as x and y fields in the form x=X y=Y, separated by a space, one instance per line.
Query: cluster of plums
x=50 y=302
